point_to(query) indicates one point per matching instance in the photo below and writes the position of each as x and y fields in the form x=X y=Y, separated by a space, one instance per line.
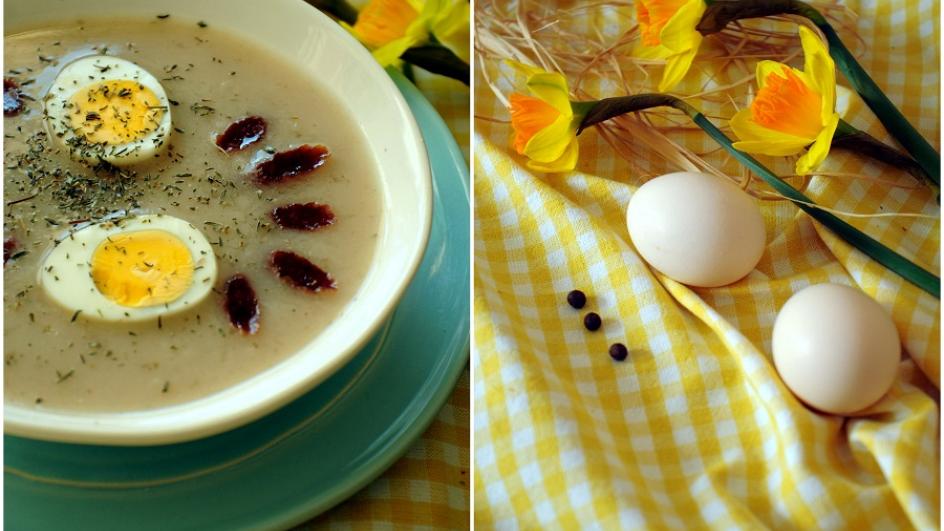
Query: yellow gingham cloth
x=695 y=429
x=428 y=488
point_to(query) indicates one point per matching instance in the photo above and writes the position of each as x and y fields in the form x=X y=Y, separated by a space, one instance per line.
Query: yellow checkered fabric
x=428 y=488
x=695 y=429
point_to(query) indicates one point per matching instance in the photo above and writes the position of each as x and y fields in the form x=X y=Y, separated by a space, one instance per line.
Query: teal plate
x=308 y=456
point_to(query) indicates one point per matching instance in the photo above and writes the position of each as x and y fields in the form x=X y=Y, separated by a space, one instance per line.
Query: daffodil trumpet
x=595 y=112
x=720 y=13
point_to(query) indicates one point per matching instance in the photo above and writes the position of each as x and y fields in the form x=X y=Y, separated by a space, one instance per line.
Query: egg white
x=66 y=275
x=95 y=69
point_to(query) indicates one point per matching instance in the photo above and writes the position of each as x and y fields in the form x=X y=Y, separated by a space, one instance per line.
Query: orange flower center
x=382 y=21
x=528 y=116
x=788 y=105
x=653 y=16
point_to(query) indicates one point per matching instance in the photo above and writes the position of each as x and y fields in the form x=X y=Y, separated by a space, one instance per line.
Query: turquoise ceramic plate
x=306 y=457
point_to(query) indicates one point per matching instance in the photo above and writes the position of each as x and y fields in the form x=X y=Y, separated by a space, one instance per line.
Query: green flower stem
x=722 y=12
x=431 y=56
x=438 y=59
x=602 y=110
x=850 y=138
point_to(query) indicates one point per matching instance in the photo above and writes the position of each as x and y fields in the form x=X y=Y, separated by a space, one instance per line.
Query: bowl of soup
x=210 y=207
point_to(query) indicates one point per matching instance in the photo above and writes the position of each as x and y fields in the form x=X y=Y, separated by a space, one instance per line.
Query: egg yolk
x=115 y=112
x=142 y=268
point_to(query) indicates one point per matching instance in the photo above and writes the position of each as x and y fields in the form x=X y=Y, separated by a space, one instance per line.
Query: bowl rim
x=112 y=428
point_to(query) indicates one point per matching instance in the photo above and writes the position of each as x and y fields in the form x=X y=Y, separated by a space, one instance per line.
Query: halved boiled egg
x=103 y=107
x=130 y=269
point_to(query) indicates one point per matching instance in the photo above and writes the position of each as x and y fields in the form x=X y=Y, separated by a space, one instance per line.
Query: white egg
x=104 y=107
x=129 y=269
x=835 y=348
x=696 y=229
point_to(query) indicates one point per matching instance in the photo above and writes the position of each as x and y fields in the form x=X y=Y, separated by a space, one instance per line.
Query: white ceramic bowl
x=312 y=41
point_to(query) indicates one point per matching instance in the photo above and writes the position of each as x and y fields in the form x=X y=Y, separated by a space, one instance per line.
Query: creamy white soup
x=183 y=209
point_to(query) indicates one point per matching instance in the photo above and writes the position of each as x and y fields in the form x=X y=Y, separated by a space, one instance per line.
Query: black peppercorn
x=618 y=351
x=592 y=321
x=576 y=299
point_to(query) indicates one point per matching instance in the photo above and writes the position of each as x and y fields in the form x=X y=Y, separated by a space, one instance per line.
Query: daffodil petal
x=820 y=148
x=552 y=88
x=745 y=128
x=419 y=29
x=390 y=53
x=523 y=69
x=820 y=69
x=548 y=144
x=651 y=52
x=429 y=10
x=549 y=86
x=451 y=28
x=682 y=41
x=773 y=148
x=754 y=138
x=676 y=67
x=679 y=33
x=566 y=162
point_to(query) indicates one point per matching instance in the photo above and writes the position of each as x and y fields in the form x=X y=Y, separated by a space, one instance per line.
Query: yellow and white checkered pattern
x=695 y=429
x=429 y=487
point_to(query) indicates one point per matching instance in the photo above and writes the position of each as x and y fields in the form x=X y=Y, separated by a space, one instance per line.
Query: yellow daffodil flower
x=544 y=123
x=391 y=27
x=793 y=109
x=668 y=32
